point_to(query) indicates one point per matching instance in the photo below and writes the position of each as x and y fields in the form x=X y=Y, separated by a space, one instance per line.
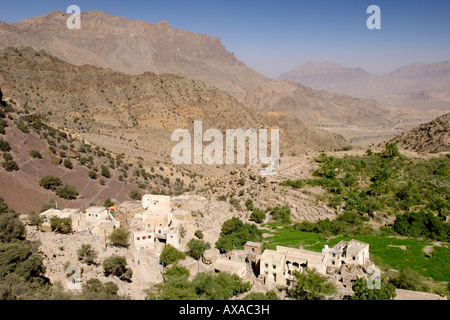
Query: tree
x=108 y=203
x=50 y=204
x=119 y=237
x=390 y=151
x=235 y=233
x=197 y=248
x=4 y=146
x=94 y=289
x=50 y=182
x=117 y=266
x=35 y=154
x=92 y=175
x=17 y=258
x=35 y=219
x=10 y=226
x=61 y=225
x=10 y=166
x=258 y=216
x=68 y=164
x=86 y=254
x=282 y=214
x=135 y=195
x=409 y=279
x=310 y=285
x=67 y=192
x=363 y=292
x=105 y=172
x=171 y=255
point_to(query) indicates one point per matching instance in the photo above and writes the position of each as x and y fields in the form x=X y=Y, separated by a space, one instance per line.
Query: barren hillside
x=136 y=115
x=430 y=137
x=134 y=47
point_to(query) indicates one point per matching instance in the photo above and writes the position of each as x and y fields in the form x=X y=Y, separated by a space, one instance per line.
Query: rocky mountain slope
x=134 y=47
x=430 y=137
x=136 y=114
x=317 y=107
x=419 y=85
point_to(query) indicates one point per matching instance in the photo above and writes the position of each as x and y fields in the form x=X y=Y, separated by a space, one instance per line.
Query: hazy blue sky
x=276 y=36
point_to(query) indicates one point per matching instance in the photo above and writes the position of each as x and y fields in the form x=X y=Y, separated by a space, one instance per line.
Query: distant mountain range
x=419 y=85
x=134 y=47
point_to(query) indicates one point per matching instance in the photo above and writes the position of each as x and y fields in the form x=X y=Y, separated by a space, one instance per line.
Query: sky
x=276 y=36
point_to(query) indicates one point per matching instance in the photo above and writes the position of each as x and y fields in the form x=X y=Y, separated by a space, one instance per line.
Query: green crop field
x=384 y=251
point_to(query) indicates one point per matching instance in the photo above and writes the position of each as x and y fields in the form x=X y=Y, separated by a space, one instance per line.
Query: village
x=158 y=221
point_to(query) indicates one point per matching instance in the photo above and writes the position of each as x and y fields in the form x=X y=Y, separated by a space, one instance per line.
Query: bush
x=68 y=164
x=171 y=255
x=108 y=203
x=10 y=166
x=119 y=237
x=310 y=285
x=235 y=233
x=86 y=254
x=105 y=172
x=135 y=195
x=61 y=225
x=199 y=234
x=50 y=182
x=258 y=216
x=35 y=154
x=67 y=192
x=4 y=145
x=117 y=266
x=92 y=175
x=282 y=214
x=197 y=248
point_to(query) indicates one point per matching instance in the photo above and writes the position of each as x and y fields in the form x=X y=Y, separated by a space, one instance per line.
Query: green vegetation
x=282 y=214
x=94 y=289
x=197 y=248
x=117 y=266
x=61 y=225
x=205 y=286
x=4 y=146
x=171 y=255
x=10 y=166
x=199 y=234
x=67 y=192
x=35 y=154
x=385 y=251
x=119 y=237
x=68 y=164
x=269 y=295
x=135 y=195
x=108 y=203
x=362 y=291
x=235 y=234
x=50 y=182
x=92 y=175
x=86 y=254
x=310 y=285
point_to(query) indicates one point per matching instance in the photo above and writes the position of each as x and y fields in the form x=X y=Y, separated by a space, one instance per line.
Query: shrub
x=4 y=146
x=171 y=255
x=105 y=172
x=92 y=175
x=50 y=182
x=199 y=234
x=35 y=154
x=135 y=195
x=86 y=254
x=68 y=164
x=10 y=166
x=119 y=237
x=117 y=266
x=67 y=192
x=61 y=225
